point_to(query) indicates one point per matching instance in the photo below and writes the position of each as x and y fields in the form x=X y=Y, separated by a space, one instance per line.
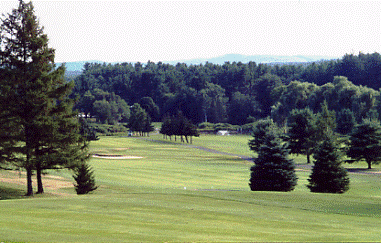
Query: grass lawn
x=178 y=193
x=237 y=144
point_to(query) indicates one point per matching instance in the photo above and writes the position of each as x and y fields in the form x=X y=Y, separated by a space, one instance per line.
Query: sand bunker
x=120 y=149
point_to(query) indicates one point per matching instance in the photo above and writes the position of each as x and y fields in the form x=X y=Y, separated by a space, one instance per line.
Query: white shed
x=223 y=133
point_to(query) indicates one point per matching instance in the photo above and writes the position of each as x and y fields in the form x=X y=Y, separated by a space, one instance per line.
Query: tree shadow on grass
x=363 y=171
x=10 y=193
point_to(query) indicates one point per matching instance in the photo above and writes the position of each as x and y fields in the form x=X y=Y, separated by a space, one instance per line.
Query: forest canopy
x=237 y=93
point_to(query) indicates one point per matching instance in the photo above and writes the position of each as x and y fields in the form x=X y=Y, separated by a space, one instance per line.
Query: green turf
x=177 y=193
x=235 y=144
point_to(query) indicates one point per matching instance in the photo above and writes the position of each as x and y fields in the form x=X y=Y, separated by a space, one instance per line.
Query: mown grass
x=237 y=144
x=181 y=194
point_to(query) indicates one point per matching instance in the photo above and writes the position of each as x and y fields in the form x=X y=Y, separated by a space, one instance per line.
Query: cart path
x=251 y=159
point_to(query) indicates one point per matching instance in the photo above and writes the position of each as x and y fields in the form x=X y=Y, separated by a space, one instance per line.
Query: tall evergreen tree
x=260 y=129
x=365 y=143
x=327 y=173
x=45 y=132
x=273 y=170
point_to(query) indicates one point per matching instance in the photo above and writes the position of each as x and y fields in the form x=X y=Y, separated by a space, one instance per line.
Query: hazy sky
x=115 y=31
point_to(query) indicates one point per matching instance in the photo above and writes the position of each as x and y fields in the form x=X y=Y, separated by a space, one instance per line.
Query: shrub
x=84 y=177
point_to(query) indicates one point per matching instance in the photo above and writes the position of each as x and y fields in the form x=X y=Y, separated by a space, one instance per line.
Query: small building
x=223 y=133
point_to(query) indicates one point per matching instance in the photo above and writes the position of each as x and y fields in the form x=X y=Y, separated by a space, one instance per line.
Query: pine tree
x=327 y=173
x=84 y=178
x=365 y=143
x=273 y=170
x=260 y=129
x=45 y=130
x=60 y=144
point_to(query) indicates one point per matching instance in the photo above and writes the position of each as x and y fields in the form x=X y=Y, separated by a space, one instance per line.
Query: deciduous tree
x=302 y=132
x=179 y=125
x=139 y=120
x=150 y=107
x=345 y=121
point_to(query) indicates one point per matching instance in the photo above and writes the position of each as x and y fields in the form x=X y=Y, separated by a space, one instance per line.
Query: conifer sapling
x=84 y=178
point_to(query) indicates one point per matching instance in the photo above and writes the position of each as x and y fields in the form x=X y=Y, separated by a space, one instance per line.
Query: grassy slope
x=145 y=200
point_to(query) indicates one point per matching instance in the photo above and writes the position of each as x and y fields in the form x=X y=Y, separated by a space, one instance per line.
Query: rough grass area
x=177 y=193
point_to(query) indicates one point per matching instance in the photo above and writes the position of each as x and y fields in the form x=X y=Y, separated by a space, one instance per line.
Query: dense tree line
x=340 y=95
x=106 y=107
x=236 y=92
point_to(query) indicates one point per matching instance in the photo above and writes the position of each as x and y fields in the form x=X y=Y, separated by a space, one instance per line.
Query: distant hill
x=256 y=58
x=75 y=67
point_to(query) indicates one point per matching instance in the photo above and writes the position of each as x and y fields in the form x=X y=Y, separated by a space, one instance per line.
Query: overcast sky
x=116 y=31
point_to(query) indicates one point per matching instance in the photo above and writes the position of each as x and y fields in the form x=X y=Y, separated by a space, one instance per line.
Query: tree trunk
x=369 y=164
x=186 y=138
x=29 y=173
x=40 y=188
x=308 y=156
